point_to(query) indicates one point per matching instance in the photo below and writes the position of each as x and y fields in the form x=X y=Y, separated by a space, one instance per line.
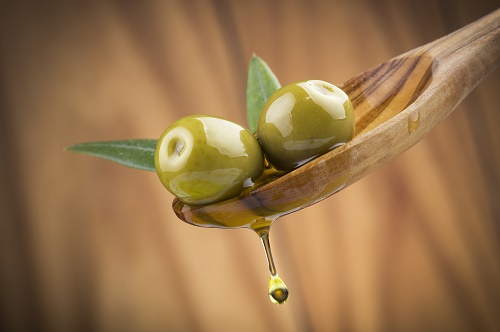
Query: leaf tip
x=70 y=148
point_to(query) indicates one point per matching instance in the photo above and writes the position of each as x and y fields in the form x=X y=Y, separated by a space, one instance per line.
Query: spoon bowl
x=396 y=104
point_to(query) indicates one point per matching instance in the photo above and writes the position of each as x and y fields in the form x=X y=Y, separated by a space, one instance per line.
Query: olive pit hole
x=176 y=146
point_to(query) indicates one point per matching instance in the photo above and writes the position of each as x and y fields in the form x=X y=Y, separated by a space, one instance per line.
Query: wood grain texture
x=89 y=245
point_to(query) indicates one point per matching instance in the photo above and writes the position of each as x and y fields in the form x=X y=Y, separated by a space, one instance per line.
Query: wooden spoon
x=396 y=104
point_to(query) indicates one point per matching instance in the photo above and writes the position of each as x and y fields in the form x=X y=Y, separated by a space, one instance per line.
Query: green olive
x=203 y=159
x=303 y=120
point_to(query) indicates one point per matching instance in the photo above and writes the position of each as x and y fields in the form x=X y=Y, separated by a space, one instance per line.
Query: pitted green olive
x=303 y=120
x=203 y=159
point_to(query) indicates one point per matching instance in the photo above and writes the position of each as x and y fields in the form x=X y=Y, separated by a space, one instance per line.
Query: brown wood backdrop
x=90 y=245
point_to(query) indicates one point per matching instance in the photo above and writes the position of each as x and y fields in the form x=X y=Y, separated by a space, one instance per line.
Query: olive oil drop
x=277 y=290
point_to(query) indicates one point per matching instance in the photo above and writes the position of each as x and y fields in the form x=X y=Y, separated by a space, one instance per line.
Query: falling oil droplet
x=278 y=293
x=277 y=290
x=413 y=122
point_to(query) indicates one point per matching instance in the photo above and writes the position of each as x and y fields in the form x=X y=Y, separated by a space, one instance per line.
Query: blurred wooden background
x=89 y=245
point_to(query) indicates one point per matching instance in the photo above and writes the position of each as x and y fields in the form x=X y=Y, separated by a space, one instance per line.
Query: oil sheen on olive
x=203 y=159
x=303 y=120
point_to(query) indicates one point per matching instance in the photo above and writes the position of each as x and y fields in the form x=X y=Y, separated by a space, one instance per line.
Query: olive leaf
x=138 y=153
x=261 y=84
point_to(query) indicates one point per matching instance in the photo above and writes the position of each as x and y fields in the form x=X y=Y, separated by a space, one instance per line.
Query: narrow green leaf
x=132 y=153
x=261 y=84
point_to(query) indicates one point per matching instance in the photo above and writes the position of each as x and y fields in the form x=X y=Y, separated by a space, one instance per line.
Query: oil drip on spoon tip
x=277 y=290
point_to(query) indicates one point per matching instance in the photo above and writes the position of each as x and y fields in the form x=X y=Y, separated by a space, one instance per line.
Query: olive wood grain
x=396 y=104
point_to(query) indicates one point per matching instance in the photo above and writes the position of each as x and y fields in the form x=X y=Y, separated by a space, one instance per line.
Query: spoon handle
x=442 y=73
x=462 y=60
